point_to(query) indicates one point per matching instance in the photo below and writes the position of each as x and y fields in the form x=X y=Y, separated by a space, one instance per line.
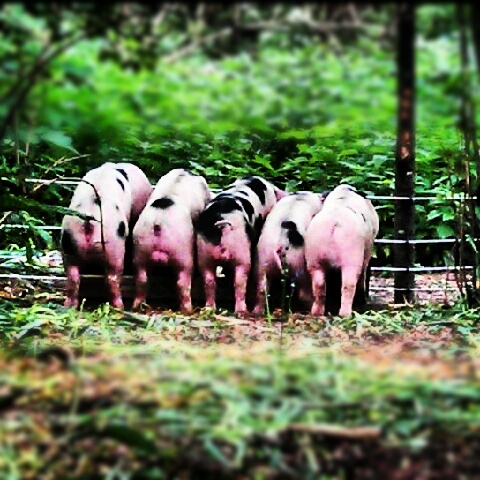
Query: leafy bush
x=306 y=117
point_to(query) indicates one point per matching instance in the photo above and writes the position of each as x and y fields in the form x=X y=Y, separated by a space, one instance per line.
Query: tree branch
x=31 y=77
x=194 y=45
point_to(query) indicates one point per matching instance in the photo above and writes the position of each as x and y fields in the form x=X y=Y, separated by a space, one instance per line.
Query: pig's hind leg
x=141 y=286
x=184 y=287
x=72 y=286
x=318 y=291
x=350 y=278
x=114 y=276
x=209 y=285
x=241 y=278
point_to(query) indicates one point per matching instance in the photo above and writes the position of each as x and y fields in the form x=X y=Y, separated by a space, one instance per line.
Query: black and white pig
x=228 y=231
x=281 y=249
x=164 y=233
x=104 y=195
x=340 y=237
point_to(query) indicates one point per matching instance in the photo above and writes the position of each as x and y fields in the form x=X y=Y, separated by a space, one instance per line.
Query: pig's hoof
x=317 y=311
x=69 y=303
x=137 y=305
x=118 y=304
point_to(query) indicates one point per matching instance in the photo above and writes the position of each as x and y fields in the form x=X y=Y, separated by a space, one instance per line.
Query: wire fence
x=380 y=241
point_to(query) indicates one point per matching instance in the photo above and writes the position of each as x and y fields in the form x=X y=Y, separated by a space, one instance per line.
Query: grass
x=99 y=393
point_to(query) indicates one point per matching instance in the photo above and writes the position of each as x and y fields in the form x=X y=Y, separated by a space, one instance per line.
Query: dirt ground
x=433 y=288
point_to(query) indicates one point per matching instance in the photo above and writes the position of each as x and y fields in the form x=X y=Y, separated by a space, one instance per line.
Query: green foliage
x=306 y=116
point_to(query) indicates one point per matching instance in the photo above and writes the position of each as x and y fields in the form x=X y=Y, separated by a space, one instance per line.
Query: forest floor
x=70 y=377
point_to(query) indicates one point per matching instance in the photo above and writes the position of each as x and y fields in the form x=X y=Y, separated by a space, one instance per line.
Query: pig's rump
x=165 y=237
x=338 y=240
x=104 y=198
x=339 y=245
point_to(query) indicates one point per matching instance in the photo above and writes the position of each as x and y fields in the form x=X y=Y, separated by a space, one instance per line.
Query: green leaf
x=9 y=202
x=445 y=231
x=59 y=139
x=264 y=162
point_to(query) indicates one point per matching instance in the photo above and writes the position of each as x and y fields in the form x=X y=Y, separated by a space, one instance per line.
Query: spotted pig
x=164 y=233
x=104 y=198
x=228 y=231
x=280 y=248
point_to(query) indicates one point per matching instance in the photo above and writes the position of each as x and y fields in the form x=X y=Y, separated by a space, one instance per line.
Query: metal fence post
x=404 y=253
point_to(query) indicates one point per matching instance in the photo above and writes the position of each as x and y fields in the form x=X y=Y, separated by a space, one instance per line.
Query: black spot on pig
x=69 y=246
x=123 y=172
x=185 y=172
x=254 y=234
x=294 y=236
x=247 y=207
x=96 y=201
x=258 y=187
x=325 y=194
x=121 y=230
x=350 y=208
x=121 y=183
x=162 y=203
x=220 y=205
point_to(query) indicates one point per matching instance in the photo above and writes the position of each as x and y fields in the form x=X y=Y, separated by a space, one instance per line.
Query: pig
x=228 y=230
x=141 y=191
x=139 y=184
x=105 y=197
x=164 y=233
x=340 y=237
x=281 y=246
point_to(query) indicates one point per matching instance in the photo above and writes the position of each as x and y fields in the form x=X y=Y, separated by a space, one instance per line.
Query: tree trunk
x=404 y=253
x=475 y=27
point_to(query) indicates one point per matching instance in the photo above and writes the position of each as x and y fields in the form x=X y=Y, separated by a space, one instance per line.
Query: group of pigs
x=252 y=227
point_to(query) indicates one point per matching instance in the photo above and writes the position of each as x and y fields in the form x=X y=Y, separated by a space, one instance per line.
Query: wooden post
x=404 y=253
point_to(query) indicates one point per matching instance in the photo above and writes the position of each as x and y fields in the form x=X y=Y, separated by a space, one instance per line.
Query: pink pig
x=104 y=195
x=340 y=236
x=281 y=246
x=164 y=232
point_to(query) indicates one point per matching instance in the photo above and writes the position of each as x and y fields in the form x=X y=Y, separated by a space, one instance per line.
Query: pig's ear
x=279 y=194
